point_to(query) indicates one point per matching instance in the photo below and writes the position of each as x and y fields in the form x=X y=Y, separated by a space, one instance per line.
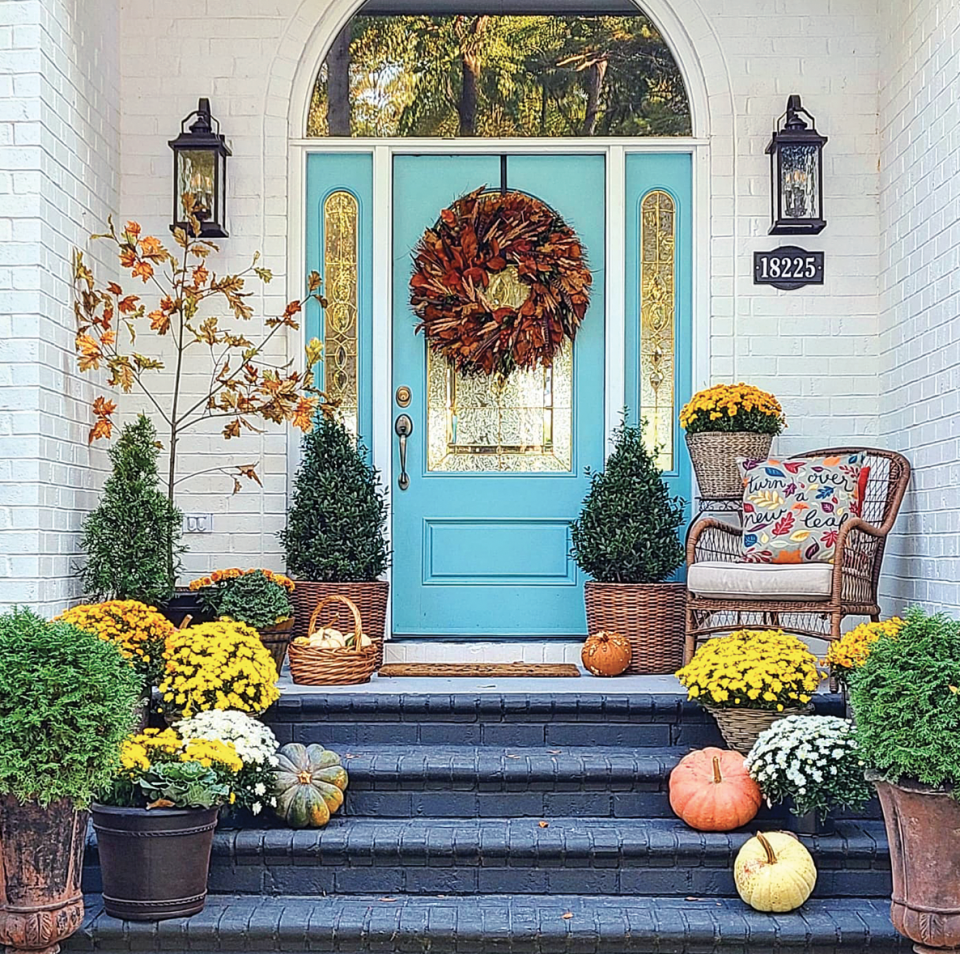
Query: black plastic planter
x=186 y=603
x=154 y=862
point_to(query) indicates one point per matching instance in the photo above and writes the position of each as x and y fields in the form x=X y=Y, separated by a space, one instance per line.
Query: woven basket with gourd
x=327 y=656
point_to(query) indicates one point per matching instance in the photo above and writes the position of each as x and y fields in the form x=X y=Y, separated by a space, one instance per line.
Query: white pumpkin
x=774 y=872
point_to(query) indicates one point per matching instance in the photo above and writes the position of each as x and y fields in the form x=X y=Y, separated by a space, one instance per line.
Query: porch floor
x=586 y=685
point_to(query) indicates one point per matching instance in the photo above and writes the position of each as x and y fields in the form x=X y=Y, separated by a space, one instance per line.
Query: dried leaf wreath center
x=500 y=282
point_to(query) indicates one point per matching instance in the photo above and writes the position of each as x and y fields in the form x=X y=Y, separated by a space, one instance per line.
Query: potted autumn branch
x=626 y=539
x=66 y=701
x=724 y=423
x=335 y=538
x=906 y=700
x=244 y=388
x=259 y=598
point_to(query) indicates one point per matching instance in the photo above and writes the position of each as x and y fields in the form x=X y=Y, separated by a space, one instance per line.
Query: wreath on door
x=500 y=282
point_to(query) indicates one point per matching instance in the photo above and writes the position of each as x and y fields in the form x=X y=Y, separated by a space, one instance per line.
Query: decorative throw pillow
x=793 y=509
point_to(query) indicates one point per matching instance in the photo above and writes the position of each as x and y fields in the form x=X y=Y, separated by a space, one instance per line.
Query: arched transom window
x=415 y=69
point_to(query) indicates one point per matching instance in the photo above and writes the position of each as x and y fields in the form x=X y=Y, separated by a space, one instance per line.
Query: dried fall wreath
x=499 y=283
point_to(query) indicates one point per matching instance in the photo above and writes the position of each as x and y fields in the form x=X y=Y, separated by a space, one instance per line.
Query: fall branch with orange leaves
x=244 y=389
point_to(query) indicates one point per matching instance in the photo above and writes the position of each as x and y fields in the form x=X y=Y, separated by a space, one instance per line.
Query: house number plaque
x=788 y=267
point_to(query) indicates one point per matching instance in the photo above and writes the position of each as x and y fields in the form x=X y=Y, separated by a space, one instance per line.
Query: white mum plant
x=256 y=745
x=812 y=760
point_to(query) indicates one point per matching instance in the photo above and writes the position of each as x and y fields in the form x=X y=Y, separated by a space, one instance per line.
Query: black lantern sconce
x=200 y=168
x=796 y=173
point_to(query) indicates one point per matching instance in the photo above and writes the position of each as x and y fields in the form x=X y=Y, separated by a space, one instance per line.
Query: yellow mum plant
x=159 y=769
x=221 y=665
x=733 y=407
x=752 y=669
x=139 y=631
x=850 y=652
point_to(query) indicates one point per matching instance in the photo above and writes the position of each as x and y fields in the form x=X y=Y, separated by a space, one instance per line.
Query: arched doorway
x=590 y=114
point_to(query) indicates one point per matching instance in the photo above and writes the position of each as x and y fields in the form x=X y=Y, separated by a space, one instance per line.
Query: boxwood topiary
x=627 y=531
x=335 y=526
x=66 y=702
x=906 y=699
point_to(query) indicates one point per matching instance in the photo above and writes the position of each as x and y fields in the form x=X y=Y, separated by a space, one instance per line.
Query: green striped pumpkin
x=310 y=782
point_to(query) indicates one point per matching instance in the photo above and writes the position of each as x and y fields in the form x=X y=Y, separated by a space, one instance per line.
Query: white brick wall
x=59 y=156
x=919 y=343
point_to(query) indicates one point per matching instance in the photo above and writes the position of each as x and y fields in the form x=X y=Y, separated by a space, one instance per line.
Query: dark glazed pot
x=923 y=828
x=155 y=861
x=186 y=603
x=42 y=859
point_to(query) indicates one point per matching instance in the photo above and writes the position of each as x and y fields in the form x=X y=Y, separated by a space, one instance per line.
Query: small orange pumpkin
x=711 y=790
x=606 y=654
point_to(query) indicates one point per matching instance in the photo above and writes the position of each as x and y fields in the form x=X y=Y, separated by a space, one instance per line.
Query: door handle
x=404 y=428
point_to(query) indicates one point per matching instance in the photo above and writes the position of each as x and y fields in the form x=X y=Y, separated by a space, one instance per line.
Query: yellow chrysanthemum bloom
x=758 y=669
x=851 y=651
x=206 y=664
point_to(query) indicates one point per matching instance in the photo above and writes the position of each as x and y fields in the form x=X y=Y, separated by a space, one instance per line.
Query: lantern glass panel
x=799 y=181
x=196 y=173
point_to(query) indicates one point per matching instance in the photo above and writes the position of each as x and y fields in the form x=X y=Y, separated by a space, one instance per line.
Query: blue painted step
x=497 y=924
x=518 y=856
x=371 y=717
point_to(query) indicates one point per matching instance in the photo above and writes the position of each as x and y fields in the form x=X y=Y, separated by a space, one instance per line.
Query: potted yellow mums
x=750 y=679
x=726 y=422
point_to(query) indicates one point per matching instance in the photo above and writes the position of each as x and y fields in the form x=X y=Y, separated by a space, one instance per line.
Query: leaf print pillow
x=793 y=509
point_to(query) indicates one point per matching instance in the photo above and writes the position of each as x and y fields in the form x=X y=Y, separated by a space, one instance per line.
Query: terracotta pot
x=650 y=615
x=42 y=860
x=923 y=829
x=154 y=862
x=276 y=639
x=371 y=599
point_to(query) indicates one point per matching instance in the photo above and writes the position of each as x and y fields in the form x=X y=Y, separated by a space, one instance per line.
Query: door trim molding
x=615 y=150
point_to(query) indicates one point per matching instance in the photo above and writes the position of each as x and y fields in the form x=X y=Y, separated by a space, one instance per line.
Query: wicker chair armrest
x=713 y=540
x=856 y=564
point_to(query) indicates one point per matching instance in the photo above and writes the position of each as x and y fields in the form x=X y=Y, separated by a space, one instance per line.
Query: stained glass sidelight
x=341 y=288
x=657 y=323
x=518 y=423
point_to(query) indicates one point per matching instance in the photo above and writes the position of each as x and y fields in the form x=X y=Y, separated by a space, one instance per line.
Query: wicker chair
x=851 y=582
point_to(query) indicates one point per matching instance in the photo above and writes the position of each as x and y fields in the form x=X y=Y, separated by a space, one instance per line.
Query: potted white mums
x=811 y=763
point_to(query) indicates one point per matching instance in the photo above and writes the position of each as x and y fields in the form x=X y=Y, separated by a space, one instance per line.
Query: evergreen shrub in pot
x=906 y=702
x=67 y=699
x=334 y=538
x=626 y=539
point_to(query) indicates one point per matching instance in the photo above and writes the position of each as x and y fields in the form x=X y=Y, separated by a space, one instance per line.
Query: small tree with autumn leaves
x=244 y=388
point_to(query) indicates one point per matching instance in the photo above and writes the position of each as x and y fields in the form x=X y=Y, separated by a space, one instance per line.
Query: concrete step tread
x=499 y=924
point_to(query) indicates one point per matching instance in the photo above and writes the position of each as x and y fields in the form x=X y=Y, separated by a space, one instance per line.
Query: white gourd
x=774 y=872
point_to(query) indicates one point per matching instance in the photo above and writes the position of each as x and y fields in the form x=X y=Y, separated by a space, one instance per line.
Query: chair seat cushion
x=714 y=579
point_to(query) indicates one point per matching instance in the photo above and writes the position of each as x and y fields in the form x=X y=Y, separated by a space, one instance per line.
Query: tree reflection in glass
x=499 y=76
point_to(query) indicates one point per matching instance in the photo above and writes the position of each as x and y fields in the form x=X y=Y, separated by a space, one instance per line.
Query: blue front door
x=481 y=535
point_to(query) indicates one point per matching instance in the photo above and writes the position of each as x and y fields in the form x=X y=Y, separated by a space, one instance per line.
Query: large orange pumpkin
x=606 y=654
x=711 y=790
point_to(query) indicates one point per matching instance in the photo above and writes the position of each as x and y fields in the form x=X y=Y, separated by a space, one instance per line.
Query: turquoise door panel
x=351 y=173
x=485 y=552
x=670 y=174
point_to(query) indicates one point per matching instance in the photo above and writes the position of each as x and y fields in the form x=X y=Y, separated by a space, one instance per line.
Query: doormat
x=514 y=670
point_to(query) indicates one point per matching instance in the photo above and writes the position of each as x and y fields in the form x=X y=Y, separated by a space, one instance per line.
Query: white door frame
x=383 y=150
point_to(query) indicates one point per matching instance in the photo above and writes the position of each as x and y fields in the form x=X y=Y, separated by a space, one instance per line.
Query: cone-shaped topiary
x=335 y=525
x=132 y=539
x=627 y=530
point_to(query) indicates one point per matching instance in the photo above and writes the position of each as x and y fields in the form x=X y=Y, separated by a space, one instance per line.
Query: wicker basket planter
x=714 y=455
x=370 y=599
x=740 y=727
x=312 y=666
x=650 y=615
x=276 y=639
